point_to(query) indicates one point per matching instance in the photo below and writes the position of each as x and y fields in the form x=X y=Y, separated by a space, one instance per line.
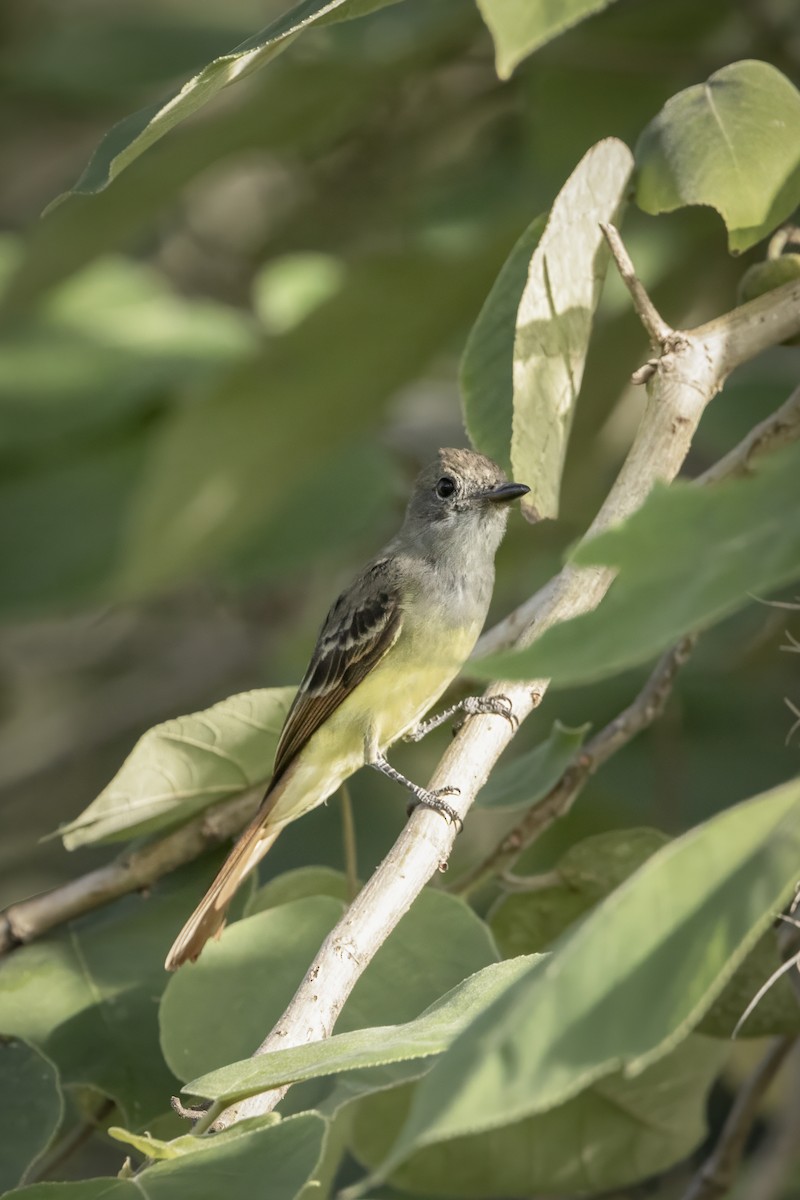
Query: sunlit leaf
x=182 y=766
x=598 y=1003
x=687 y=558
x=554 y=320
x=297 y=885
x=134 y=134
x=520 y=26
x=732 y=142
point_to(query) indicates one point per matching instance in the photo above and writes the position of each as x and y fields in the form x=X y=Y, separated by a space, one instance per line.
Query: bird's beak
x=506 y=492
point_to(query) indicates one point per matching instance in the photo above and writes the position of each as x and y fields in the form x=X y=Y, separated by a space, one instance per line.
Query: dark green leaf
x=732 y=142
x=182 y=766
x=298 y=885
x=686 y=559
x=526 y=922
x=527 y=779
x=32 y=1109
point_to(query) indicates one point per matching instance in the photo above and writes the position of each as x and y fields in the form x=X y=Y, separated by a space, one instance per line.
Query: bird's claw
x=434 y=801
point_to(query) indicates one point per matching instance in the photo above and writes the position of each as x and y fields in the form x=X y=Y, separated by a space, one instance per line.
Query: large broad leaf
x=626 y=985
x=687 y=558
x=133 y=135
x=182 y=766
x=88 y=997
x=526 y=922
x=732 y=142
x=254 y=969
x=234 y=1164
x=527 y=779
x=32 y=1109
x=616 y=1132
x=519 y=27
x=554 y=320
x=427 y=1035
x=487 y=368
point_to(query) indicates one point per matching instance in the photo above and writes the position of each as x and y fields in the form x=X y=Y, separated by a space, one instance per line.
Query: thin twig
x=717 y=1174
x=350 y=845
x=661 y=334
x=682 y=385
x=23 y=922
x=72 y=1140
x=642 y=712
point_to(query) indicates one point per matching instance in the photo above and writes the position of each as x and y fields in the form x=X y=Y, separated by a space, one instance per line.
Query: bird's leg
x=472 y=706
x=421 y=795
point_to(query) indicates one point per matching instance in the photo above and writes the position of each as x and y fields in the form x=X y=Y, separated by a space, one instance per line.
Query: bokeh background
x=218 y=378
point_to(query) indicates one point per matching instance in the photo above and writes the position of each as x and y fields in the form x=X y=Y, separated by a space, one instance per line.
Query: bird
x=390 y=645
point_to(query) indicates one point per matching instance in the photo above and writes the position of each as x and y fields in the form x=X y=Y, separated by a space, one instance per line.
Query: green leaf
x=554 y=320
x=519 y=27
x=88 y=997
x=776 y=1013
x=487 y=367
x=249 y=975
x=732 y=142
x=134 y=134
x=526 y=922
x=160 y=1150
x=616 y=1132
x=298 y=885
x=234 y=1167
x=428 y=1034
x=626 y=985
x=254 y=969
x=527 y=779
x=182 y=766
x=687 y=558
x=32 y=1110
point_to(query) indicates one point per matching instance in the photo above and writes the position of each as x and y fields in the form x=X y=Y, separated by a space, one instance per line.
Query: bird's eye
x=445 y=487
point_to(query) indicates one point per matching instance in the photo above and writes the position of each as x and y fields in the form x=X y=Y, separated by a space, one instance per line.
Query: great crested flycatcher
x=389 y=647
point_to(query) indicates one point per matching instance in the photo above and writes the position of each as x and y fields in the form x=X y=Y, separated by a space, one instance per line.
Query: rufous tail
x=208 y=919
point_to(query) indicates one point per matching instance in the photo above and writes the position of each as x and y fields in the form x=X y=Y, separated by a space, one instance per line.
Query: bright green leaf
x=519 y=27
x=617 y=1132
x=526 y=922
x=182 y=766
x=687 y=558
x=233 y=1167
x=554 y=320
x=487 y=367
x=160 y=1150
x=427 y=1035
x=732 y=142
x=32 y=1110
x=626 y=985
x=134 y=134
x=527 y=779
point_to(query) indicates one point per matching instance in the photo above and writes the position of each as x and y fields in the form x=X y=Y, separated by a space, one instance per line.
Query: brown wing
x=361 y=626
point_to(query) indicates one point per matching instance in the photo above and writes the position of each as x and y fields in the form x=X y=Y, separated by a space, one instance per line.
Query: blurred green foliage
x=218 y=375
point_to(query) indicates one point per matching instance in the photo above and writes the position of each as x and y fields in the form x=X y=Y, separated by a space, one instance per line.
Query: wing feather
x=360 y=628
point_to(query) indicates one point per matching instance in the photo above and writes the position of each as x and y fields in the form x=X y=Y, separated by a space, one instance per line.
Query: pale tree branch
x=131 y=872
x=685 y=379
